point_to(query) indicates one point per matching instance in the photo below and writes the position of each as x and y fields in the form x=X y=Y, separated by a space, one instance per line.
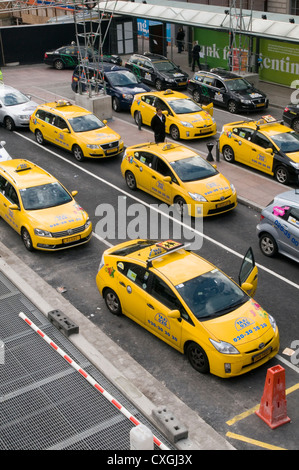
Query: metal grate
x=45 y=403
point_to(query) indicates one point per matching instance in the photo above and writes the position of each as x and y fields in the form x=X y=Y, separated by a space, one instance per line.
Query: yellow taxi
x=185 y=119
x=178 y=176
x=190 y=304
x=75 y=129
x=40 y=209
x=265 y=145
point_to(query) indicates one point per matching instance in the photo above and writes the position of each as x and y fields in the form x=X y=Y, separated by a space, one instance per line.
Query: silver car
x=15 y=108
x=278 y=229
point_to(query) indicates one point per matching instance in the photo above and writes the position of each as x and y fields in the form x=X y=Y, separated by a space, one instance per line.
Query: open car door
x=248 y=274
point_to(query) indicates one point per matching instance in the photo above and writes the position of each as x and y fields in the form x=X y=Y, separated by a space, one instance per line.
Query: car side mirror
x=74 y=193
x=14 y=207
x=269 y=150
x=167 y=179
x=66 y=130
x=247 y=286
x=104 y=121
x=165 y=113
x=174 y=314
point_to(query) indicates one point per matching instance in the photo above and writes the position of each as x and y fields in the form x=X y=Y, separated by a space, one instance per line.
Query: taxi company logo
x=157 y=222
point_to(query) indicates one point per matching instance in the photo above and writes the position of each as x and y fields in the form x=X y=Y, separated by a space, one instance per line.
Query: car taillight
x=262 y=217
x=46 y=55
x=286 y=109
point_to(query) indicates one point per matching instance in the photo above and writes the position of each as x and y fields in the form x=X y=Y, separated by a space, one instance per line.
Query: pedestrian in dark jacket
x=158 y=126
x=180 y=37
x=195 y=55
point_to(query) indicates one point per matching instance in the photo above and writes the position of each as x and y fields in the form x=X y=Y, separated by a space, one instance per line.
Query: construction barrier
x=273 y=406
x=89 y=379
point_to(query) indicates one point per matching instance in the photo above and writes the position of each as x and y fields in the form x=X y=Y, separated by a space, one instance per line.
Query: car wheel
x=130 y=180
x=228 y=154
x=281 y=174
x=180 y=206
x=78 y=154
x=58 y=64
x=196 y=96
x=232 y=106
x=26 y=239
x=39 y=137
x=198 y=358
x=295 y=125
x=136 y=118
x=174 y=132
x=159 y=85
x=115 y=104
x=9 y=123
x=112 y=302
x=268 y=245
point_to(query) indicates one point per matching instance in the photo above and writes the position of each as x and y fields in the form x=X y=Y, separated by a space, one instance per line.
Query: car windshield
x=211 y=295
x=193 y=168
x=184 y=106
x=85 y=123
x=122 y=78
x=43 y=196
x=13 y=97
x=238 y=84
x=287 y=141
x=165 y=66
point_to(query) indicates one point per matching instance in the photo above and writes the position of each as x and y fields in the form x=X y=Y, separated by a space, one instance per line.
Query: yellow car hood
x=199 y=119
x=59 y=218
x=247 y=324
x=211 y=188
x=99 y=136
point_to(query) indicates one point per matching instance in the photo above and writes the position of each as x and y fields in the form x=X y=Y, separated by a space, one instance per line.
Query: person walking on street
x=158 y=125
x=180 y=40
x=195 y=56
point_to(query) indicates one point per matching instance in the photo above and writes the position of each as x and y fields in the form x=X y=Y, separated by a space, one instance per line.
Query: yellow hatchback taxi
x=190 y=304
x=185 y=119
x=265 y=145
x=178 y=176
x=40 y=209
x=75 y=129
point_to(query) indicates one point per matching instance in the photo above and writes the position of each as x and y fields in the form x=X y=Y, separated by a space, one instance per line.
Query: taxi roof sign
x=23 y=166
x=60 y=103
x=162 y=249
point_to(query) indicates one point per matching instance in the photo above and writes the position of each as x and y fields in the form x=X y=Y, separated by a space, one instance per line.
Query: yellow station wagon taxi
x=190 y=304
x=75 y=129
x=178 y=175
x=185 y=119
x=40 y=209
x=265 y=145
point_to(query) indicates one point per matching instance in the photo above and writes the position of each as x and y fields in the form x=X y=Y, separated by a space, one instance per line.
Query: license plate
x=183 y=83
x=221 y=204
x=260 y=104
x=71 y=239
x=111 y=150
x=261 y=355
x=205 y=130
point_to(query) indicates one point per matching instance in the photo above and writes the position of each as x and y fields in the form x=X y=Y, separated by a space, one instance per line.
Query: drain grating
x=44 y=402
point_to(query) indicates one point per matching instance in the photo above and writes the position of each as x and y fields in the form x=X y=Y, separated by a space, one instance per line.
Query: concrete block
x=170 y=425
x=62 y=323
x=100 y=105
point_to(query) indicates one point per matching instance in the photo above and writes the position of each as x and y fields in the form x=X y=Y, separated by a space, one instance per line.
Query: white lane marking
x=215 y=242
x=287 y=363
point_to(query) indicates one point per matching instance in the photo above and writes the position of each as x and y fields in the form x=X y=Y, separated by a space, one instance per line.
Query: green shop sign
x=279 y=61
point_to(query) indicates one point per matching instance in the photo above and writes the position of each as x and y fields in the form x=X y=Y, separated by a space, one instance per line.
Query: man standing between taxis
x=158 y=126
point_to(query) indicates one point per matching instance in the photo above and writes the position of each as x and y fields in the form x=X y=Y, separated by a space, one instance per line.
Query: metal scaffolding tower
x=240 y=39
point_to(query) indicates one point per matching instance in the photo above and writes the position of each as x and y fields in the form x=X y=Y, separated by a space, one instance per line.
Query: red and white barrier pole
x=89 y=379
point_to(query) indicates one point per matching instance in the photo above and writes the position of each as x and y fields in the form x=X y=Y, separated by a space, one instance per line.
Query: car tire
x=58 y=64
x=196 y=96
x=159 y=85
x=295 y=125
x=180 y=206
x=136 y=118
x=281 y=174
x=112 y=302
x=115 y=104
x=78 y=154
x=174 y=132
x=131 y=181
x=268 y=245
x=232 y=106
x=228 y=154
x=198 y=358
x=9 y=123
x=39 y=137
x=26 y=239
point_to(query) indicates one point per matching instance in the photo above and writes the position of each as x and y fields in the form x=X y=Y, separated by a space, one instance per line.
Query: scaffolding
x=240 y=39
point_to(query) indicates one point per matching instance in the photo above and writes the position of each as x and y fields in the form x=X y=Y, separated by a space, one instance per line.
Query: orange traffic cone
x=273 y=406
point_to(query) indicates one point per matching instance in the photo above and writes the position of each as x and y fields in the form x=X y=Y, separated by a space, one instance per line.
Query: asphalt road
x=226 y=239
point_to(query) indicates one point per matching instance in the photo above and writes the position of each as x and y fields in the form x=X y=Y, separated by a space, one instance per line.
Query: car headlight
x=127 y=96
x=169 y=80
x=245 y=101
x=102 y=262
x=295 y=165
x=272 y=322
x=92 y=146
x=24 y=116
x=223 y=347
x=87 y=223
x=42 y=233
x=232 y=187
x=186 y=124
x=197 y=197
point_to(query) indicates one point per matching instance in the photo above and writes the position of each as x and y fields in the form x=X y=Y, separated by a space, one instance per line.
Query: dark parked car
x=226 y=89
x=291 y=116
x=70 y=56
x=121 y=84
x=158 y=71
